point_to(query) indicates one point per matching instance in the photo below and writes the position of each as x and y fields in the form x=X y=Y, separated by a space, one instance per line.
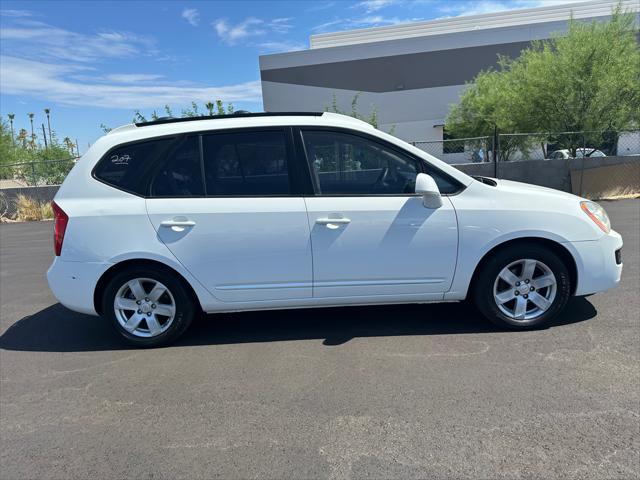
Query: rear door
x=225 y=204
x=371 y=234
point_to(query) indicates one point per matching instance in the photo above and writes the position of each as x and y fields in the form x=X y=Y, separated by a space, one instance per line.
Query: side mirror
x=427 y=187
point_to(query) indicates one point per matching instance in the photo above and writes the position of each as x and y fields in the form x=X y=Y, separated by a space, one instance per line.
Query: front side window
x=129 y=167
x=180 y=174
x=251 y=163
x=348 y=164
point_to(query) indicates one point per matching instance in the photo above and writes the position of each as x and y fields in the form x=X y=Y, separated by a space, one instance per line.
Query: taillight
x=60 y=225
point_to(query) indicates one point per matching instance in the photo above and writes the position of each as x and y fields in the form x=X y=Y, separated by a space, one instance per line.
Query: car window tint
x=344 y=163
x=349 y=164
x=246 y=163
x=128 y=167
x=180 y=174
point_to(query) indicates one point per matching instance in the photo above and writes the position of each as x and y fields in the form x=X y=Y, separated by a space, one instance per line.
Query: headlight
x=597 y=214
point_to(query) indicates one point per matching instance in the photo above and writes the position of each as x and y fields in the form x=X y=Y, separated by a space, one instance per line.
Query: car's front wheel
x=522 y=286
x=148 y=306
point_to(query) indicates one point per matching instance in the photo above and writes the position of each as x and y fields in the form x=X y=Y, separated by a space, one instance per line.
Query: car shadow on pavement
x=57 y=329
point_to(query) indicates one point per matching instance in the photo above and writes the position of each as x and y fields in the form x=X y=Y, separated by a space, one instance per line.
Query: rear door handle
x=334 y=221
x=177 y=223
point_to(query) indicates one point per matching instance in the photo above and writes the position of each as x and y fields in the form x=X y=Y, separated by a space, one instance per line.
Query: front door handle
x=333 y=221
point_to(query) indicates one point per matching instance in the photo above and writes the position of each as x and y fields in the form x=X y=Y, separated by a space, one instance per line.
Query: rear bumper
x=598 y=268
x=73 y=283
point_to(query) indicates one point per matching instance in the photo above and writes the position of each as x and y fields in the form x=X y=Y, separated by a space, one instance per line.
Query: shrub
x=29 y=209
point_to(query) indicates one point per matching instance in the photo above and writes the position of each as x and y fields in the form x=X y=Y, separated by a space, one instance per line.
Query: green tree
x=47 y=112
x=371 y=118
x=585 y=81
x=32 y=142
x=193 y=110
x=11 y=117
x=32 y=163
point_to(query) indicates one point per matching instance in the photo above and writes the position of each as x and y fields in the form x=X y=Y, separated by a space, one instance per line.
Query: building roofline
x=562 y=12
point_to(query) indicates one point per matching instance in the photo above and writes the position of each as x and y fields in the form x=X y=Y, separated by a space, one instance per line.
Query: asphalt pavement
x=428 y=391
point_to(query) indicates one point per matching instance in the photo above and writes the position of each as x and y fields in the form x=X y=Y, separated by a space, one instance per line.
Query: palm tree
x=69 y=144
x=209 y=106
x=22 y=137
x=31 y=120
x=11 y=117
x=47 y=111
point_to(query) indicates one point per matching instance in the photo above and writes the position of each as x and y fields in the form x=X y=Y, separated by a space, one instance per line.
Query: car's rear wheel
x=523 y=286
x=148 y=306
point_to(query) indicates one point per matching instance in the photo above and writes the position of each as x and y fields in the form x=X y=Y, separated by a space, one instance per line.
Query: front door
x=371 y=235
x=240 y=232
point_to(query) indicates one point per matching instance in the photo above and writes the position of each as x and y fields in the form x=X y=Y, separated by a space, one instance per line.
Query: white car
x=161 y=221
x=580 y=153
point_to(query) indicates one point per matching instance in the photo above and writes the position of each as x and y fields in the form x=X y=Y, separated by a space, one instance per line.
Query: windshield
x=588 y=152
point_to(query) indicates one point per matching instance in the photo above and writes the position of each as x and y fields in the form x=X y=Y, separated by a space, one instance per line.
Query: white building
x=411 y=73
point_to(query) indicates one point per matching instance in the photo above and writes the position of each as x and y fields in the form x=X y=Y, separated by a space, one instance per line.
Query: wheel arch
x=124 y=264
x=565 y=255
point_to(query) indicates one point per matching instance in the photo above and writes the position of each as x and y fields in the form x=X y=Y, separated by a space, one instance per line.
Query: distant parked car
x=580 y=153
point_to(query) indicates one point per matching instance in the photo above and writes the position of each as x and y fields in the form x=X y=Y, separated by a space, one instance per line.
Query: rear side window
x=180 y=174
x=249 y=163
x=129 y=167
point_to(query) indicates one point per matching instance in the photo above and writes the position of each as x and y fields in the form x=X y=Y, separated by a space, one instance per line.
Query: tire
x=154 y=306
x=500 y=296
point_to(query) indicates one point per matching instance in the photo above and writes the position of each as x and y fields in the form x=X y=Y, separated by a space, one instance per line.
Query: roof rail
x=241 y=113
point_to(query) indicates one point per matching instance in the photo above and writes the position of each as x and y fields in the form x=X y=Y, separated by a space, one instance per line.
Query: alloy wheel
x=525 y=289
x=144 y=307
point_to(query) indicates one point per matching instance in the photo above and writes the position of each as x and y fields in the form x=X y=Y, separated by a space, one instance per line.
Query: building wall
x=413 y=81
x=411 y=114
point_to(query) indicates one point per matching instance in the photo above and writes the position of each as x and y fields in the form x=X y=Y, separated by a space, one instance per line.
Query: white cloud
x=231 y=34
x=280 y=25
x=323 y=27
x=282 y=46
x=376 y=20
x=320 y=6
x=54 y=83
x=242 y=32
x=35 y=40
x=132 y=77
x=15 y=13
x=493 y=6
x=191 y=15
x=361 y=22
x=374 y=5
x=447 y=9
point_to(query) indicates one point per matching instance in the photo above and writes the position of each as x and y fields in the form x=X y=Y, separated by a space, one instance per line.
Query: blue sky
x=96 y=62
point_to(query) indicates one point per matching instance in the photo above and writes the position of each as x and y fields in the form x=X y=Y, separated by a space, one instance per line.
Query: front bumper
x=73 y=283
x=598 y=264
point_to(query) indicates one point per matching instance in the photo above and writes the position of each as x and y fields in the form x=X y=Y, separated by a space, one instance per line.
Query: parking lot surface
x=428 y=391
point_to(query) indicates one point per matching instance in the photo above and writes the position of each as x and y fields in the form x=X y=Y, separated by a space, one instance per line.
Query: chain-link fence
x=533 y=146
x=463 y=150
x=45 y=172
x=565 y=145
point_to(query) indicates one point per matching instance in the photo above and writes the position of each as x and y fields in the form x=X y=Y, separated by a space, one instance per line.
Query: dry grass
x=29 y=209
